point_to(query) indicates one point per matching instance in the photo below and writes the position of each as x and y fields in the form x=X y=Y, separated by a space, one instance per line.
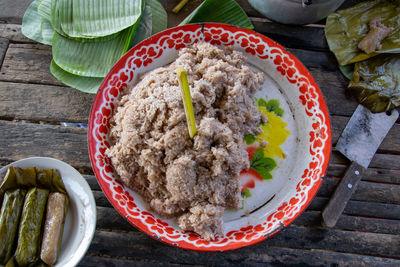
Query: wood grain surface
x=33 y=103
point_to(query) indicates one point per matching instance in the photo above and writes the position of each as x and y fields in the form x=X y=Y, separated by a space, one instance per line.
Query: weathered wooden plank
x=99 y=261
x=109 y=219
x=380 y=161
x=28 y=63
x=13 y=33
x=366 y=191
x=12 y=11
x=273 y=257
x=371 y=174
x=69 y=144
x=3 y=49
x=292 y=35
x=44 y=102
x=22 y=140
x=137 y=245
x=351 y=223
x=361 y=208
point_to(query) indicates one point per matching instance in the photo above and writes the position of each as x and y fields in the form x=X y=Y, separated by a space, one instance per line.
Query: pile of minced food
x=193 y=180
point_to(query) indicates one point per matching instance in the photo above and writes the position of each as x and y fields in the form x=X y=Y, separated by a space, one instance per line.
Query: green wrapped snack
x=376 y=82
x=346 y=28
x=44 y=178
x=26 y=177
x=30 y=230
x=9 y=222
x=9 y=182
x=11 y=262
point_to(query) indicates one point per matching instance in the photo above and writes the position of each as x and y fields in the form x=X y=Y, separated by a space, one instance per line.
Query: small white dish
x=80 y=222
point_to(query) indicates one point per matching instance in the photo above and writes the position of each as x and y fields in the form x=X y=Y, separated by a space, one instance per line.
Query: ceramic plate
x=297 y=132
x=80 y=222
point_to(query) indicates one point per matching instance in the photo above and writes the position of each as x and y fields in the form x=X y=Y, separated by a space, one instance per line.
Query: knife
x=359 y=141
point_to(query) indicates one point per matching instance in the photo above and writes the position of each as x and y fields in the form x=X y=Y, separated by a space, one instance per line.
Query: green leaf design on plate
x=227 y=11
x=262 y=165
x=82 y=83
x=272 y=105
x=93 y=58
x=246 y=193
x=94 y=18
x=261 y=102
x=249 y=139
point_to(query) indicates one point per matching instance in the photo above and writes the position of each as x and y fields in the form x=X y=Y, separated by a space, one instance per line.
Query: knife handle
x=342 y=195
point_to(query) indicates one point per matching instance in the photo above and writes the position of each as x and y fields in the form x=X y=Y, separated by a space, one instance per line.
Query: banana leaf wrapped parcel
x=24 y=194
x=9 y=221
x=346 y=28
x=376 y=82
x=373 y=71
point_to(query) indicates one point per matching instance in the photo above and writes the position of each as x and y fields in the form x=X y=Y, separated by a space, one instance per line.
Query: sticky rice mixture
x=193 y=180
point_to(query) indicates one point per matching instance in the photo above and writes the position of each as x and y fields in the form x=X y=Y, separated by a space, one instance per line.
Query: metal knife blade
x=364 y=133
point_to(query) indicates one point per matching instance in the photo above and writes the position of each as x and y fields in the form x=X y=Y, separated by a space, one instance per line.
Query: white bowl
x=80 y=222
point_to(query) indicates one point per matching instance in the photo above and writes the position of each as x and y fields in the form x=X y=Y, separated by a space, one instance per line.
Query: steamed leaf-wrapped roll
x=345 y=29
x=9 y=222
x=376 y=82
x=30 y=230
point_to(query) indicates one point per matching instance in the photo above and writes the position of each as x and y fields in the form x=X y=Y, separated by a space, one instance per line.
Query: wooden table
x=33 y=103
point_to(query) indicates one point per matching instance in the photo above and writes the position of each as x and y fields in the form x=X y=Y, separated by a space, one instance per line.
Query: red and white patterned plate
x=295 y=180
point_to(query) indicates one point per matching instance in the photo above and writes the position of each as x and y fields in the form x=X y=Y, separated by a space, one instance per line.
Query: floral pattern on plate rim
x=253 y=43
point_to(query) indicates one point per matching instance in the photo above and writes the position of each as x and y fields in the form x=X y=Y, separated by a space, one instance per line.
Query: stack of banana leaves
x=365 y=39
x=88 y=37
x=31 y=226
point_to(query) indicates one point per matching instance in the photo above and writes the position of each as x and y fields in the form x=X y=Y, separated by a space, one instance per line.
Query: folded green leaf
x=31 y=24
x=82 y=83
x=159 y=16
x=224 y=11
x=47 y=31
x=346 y=28
x=145 y=26
x=44 y=9
x=376 y=82
x=347 y=71
x=94 y=18
x=91 y=57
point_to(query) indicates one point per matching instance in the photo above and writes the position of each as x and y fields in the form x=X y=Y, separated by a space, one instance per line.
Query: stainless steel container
x=296 y=11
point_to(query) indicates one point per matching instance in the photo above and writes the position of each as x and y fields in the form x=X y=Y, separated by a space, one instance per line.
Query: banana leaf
x=30 y=229
x=224 y=11
x=346 y=28
x=9 y=222
x=44 y=9
x=158 y=15
x=31 y=177
x=91 y=57
x=376 y=82
x=347 y=71
x=82 y=83
x=47 y=31
x=32 y=24
x=145 y=26
x=93 y=18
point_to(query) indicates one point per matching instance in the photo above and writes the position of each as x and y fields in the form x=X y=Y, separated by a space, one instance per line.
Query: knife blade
x=358 y=142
